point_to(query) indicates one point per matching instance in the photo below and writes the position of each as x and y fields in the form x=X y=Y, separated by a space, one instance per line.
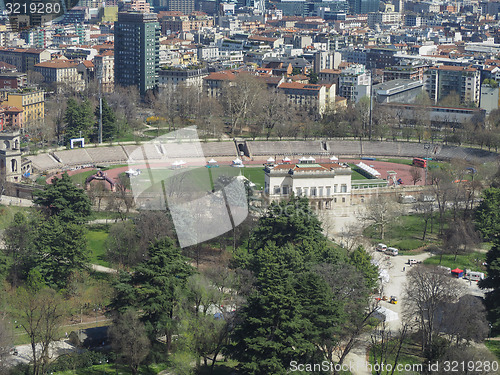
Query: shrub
x=77 y=360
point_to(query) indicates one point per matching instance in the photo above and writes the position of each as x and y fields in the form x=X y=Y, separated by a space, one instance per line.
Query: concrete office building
x=137 y=50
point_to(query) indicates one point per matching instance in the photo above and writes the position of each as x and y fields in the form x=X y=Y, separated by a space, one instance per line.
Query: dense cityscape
x=257 y=187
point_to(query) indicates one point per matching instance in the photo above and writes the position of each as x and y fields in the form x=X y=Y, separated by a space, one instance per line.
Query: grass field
x=405 y=233
x=7 y=214
x=494 y=347
x=471 y=261
x=96 y=240
x=356 y=173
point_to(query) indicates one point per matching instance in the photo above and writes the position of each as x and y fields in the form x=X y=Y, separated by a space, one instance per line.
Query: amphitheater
x=56 y=161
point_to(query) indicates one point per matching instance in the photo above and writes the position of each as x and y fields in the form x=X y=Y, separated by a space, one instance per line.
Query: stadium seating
x=45 y=162
x=109 y=154
x=214 y=149
x=74 y=157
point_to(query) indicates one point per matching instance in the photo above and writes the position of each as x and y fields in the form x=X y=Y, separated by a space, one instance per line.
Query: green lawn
x=356 y=173
x=494 y=347
x=114 y=369
x=405 y=233
x=256 y=175
x=471 y=261
x=410 y=355
x=7 y=214
x=96 y=239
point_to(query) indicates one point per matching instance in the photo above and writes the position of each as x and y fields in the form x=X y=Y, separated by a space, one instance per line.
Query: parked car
x=381 y=247
x=392 y=251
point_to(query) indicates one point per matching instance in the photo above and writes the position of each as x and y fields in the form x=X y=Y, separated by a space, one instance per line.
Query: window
x=285 y=190
x=343 y=200
x=277 y=190
x=335 y=188
x=299 y=192
x=328 y=191
x=344 y=188
x=320 y=191
x=306 y=190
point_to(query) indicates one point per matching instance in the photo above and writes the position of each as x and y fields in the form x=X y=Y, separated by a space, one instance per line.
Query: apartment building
x=441 y=81
x=31 y=102
x=354 y=83
x=308 y=97
x=105 y=69
x=61 y=72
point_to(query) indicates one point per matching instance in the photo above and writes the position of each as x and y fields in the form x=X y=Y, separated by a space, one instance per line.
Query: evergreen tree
x=492 y=281
x=154 y=288
x=270 y=330
x=63 y=199
x=362 y=261
x=109 y=127
x=60 y=249
x=79 y=119
x=488 y=213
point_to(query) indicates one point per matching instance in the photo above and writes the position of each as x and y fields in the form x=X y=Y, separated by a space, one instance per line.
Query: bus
x=419 y=162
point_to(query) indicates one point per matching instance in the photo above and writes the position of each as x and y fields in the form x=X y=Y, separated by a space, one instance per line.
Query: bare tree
x=477 y=361
x=275 y=111
x=129 y=339
x=465 y=320
x=39 y=311
x=380 y=211
x=387 y=347
x=241 y=98
x=460 y=237
x=427 y=290
x=416 y=174
x=426 y=210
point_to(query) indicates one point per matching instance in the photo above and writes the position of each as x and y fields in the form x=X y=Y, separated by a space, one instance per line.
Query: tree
x=487 y=214
x=492 y=281
x=109 y=128
x=205 y=323
x=269 y=331
x=39 y=310
x=426 y=292
x=426 y=210
x=380 y=211
x=63 y=199
x=360 y=259
x=465 y=321
x=122 y=244
x=416 y=174
x=18 y=238
x=154 y=288
x=129 y=339
x=241 y=98
x=60 y=249
x=469 y=355
x=79 y=119
x=275 y=111
x=460 y=237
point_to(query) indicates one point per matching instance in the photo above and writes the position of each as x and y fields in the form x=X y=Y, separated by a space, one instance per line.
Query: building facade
x=31 y=102
x=137 y=50
x=354 y=83
x=61 y=72
x=325 y=184
x=189 y=77
x=445 y=80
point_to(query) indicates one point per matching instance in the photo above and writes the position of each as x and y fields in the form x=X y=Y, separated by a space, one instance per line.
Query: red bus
x=422 y=163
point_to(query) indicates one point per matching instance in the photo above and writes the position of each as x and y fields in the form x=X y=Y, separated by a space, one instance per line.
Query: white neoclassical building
x=325 y=184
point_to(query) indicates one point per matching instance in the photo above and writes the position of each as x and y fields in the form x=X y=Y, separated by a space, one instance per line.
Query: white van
x=381 y=247
x=412 y=261
x=474 y=276
x=392 y=251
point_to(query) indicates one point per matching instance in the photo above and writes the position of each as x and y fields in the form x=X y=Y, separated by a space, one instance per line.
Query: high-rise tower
x=137 y=50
